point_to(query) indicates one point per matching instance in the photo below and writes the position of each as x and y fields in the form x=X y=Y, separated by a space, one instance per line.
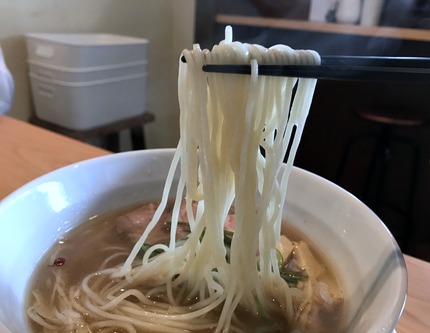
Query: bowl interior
x=358 y=244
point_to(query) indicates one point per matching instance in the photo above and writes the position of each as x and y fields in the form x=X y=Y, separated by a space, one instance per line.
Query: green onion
x=293 y=278
x=145 y=247
x=228 y=237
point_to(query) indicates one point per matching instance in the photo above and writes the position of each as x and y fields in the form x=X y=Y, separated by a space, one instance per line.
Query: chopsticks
x=355 y=68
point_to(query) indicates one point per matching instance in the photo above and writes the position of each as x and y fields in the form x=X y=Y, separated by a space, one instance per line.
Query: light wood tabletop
x=27 y=152
x=422 y=35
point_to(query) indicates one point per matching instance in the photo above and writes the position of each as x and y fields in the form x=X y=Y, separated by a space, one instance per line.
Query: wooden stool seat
x=391 y=117
x=109 y=131
x=384 y=140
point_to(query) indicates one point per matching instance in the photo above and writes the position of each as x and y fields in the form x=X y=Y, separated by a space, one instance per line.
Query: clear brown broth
x=87 y=245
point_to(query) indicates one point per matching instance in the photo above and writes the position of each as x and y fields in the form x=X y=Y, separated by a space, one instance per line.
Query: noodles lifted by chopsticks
x=235 y=132
x=226 y=121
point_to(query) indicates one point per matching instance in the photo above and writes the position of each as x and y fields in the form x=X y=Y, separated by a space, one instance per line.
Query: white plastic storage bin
x=86 y=105
x=76 y=74
x=85 y=50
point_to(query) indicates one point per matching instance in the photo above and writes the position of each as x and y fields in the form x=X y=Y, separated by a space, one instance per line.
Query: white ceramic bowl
x=353 y=237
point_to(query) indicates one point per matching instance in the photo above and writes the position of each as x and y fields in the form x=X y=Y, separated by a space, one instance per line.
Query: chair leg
x=377 y=170
x=112 y=142
x=346 y=154
x=385 y=162
x=342 y=163
x=344 y=159
x=409 y=228
x=138 y=138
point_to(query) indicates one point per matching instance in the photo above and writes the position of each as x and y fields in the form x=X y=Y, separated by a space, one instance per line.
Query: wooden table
x=27 y=151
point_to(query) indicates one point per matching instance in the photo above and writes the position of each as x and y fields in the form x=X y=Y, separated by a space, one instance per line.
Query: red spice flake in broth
x=59 y=261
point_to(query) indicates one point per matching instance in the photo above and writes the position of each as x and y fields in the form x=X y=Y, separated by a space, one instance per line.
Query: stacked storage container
x=83 y=81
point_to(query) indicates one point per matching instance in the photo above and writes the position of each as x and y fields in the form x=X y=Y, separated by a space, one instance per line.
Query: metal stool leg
x=409 y=227
x=347 y=152
x=342 y=163
x=378 y=170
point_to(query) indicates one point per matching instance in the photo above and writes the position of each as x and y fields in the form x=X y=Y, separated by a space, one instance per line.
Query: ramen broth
x=82 y=251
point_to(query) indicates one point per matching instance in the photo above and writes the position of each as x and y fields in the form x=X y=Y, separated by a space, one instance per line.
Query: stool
x=384 y=140
x=109 y=131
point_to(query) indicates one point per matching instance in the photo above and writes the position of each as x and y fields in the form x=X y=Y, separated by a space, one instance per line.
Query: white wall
x=168 y=24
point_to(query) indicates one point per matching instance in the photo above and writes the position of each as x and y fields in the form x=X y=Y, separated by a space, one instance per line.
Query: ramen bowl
x=362 y=250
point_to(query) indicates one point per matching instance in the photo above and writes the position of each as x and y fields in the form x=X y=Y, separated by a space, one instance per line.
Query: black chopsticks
x=356 y=68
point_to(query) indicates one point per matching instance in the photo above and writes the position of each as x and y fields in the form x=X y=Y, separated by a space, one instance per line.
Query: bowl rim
x=403 y=283
x=401 y=298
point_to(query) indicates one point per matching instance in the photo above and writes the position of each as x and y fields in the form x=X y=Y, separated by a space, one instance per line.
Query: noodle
x=235 y=132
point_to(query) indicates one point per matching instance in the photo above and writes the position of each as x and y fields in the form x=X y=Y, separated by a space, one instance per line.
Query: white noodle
x=225 y=121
